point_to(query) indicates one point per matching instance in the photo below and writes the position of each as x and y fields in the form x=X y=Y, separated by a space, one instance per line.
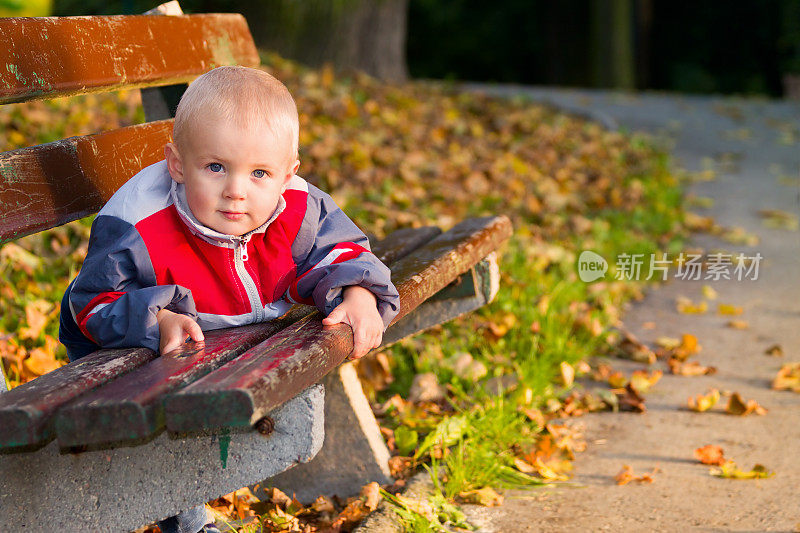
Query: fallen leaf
x=728 y=309
x=625 y=476
x=371 y=493
x=629 y=399
x=738 y=324
x=669 y=343
x=687 y=307
x=710 y=455
x=642 y=381
x=775 y=350
x=688 y=347
x=535 y=415
x=788 y=378
x=777 y=219
x=567 y=373
x=704 y=402
x=425 y=388
x=731 y=471
x=36 y=316
x=737 y=406
x=689 y=368
x=323 y=504
x=485 y=496
x=709 y=293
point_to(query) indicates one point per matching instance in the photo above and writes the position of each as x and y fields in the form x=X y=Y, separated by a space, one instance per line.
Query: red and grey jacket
x=147 y=252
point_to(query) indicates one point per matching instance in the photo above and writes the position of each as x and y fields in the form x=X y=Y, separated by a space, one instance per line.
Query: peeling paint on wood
x=52 y=184
x=75 y=55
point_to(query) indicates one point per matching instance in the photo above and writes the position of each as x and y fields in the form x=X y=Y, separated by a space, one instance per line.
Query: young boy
x=223 y=233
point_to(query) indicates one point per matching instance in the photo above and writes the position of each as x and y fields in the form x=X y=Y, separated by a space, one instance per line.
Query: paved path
x=754 y=146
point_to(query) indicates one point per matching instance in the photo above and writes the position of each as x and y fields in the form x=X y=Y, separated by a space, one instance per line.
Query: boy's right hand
x=174 y=328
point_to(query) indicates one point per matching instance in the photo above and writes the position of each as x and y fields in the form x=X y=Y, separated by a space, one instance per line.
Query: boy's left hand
x=360 y=311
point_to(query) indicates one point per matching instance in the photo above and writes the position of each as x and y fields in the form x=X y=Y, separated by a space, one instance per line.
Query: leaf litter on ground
x=408 y=156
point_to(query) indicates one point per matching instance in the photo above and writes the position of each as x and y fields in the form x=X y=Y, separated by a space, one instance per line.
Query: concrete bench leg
x=124 y=488
x=354 y=452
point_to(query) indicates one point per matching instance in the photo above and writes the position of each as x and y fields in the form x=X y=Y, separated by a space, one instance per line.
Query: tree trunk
x=368 y=35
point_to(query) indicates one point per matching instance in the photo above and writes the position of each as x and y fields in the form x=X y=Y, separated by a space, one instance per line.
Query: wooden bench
x=124 y=437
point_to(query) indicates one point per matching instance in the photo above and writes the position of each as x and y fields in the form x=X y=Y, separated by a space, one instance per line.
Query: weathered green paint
x=9 y=173
x=224 y=443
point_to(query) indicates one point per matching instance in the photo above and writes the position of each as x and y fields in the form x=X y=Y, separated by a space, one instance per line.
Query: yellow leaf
x=727 y=309
x=701 y=403
x=687 y=307
x=567 y=373
x=788 y=378
x=731 y=471
x=709 y=293
x=485 y=496
x=738 y=324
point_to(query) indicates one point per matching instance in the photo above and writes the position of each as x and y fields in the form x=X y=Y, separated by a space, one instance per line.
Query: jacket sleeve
x=114 y=299
x=331 y=253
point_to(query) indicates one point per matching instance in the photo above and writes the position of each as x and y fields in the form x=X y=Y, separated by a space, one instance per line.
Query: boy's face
x=233 y=175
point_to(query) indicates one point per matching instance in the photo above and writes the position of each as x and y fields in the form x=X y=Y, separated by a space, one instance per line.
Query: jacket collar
x=178 y=194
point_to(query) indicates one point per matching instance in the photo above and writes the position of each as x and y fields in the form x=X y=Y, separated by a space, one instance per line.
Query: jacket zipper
x=239 y=257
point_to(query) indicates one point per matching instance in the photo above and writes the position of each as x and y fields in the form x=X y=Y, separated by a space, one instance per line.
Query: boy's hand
x=174 y=328
x=360 y=311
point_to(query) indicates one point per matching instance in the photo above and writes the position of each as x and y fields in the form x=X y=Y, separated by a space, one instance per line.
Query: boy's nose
x=234 y=188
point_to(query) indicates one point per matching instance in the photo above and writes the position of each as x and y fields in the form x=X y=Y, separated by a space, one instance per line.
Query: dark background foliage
x=738 y=46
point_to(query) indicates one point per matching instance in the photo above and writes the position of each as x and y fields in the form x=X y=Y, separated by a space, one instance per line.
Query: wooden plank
x=402 y=242
x=126 y=409
x=130 y=407
x=244 y=390
x=60 y=56
x=51 y=184
x=26 y=411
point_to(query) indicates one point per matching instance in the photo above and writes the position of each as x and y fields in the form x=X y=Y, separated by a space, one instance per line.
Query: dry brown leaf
x=630 y=399
x=689 y=368
x=371 y=493
x=626 y=476
x=737 y=406
x=710 y=455
x=775 y=350
x=738 y=324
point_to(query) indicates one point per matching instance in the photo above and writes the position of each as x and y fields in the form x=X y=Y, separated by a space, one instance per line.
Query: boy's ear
x=174 y=163
x=289 y=175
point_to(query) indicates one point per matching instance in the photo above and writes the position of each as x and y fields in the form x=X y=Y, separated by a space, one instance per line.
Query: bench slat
x=244 y=390
x=50 y=57
x=128 y=405
x=54 y=183
x=25 y=411
x=130 y=408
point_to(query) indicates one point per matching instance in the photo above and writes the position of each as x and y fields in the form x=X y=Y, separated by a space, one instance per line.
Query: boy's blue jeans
x=190 y=521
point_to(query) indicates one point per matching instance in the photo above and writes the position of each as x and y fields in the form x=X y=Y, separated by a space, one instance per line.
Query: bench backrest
x=51 y=184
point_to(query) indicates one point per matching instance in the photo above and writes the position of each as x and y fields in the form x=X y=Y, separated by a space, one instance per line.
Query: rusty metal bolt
x=265 y=426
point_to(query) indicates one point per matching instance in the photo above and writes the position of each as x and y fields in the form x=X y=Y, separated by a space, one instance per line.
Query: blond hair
x=248 y=96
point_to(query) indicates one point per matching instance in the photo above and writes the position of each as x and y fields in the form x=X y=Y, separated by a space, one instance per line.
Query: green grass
x=539 y=285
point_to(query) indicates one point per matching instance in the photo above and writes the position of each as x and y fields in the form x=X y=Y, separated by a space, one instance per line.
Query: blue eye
x=259 y=173
x=215 y=167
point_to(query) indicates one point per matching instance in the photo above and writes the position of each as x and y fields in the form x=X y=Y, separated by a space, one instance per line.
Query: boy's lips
x=233 y=215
